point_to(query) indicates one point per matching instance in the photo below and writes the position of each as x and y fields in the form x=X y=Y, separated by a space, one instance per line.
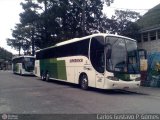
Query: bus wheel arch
x=83 y=81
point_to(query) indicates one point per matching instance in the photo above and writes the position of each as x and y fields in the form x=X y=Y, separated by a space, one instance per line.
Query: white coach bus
x=100 y=60
x=23 y=65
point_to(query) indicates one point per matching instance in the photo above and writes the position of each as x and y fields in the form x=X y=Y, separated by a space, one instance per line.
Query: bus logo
x=76 y=60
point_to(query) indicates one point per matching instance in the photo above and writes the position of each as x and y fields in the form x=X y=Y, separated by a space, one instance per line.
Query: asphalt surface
x=30 y=95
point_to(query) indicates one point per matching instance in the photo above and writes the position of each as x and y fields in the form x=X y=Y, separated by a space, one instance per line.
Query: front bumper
x=109 y=84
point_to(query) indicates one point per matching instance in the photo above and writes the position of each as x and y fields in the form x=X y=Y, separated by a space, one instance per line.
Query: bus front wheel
x=43 y=77
x=84 y=81
x=21 y=73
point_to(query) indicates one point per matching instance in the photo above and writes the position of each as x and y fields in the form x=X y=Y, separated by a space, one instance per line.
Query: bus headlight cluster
x=113 y=78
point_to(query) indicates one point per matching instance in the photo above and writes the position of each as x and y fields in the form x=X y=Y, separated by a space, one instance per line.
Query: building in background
x=150 y=41
x=5 y=59
x=150 y=30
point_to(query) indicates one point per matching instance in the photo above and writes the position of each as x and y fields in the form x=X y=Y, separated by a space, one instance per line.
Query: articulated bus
x=23 y=65
x=100 y=60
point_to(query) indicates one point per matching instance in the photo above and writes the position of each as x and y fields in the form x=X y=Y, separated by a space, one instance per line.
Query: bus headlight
x=113 y=78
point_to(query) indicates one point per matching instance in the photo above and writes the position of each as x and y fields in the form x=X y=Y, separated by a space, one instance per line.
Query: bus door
x=97 y=59
x=100 y=68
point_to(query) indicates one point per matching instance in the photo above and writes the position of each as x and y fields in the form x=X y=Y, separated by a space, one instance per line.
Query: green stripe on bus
x=56 y=68
x=15 y=67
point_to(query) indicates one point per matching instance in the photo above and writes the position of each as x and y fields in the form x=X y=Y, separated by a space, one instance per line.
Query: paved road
x=28 y=94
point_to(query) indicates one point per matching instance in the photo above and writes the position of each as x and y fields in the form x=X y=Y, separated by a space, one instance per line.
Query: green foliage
x=21 y=36
x=125 y=24
x=46 y=22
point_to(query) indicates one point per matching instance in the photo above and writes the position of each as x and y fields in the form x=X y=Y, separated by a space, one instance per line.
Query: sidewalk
x=148 y=91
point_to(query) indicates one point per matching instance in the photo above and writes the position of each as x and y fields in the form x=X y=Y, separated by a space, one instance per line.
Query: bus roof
x=83 y=38
x=15 y=57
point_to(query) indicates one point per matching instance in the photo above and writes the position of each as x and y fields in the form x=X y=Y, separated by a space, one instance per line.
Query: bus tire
x=84 y=81
x=21 y=73
x=47 y=77
x=43 y=77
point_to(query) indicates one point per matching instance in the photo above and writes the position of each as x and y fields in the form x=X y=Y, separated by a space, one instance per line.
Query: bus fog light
x=113 y=78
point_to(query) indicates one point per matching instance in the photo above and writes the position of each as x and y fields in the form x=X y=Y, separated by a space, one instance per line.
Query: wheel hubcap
x=84 y=82
x=47 y=77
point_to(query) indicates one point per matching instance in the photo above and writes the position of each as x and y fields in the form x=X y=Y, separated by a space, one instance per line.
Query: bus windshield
x=28 y=64
x=123 y=55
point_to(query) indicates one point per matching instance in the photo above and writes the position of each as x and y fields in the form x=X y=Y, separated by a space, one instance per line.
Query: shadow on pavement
x=101 y=91
x=25 y=75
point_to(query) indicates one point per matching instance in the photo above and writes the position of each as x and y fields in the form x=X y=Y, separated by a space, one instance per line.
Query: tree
x=45 y=22
x=23 y=33
x=20 y=41
x=30 y=19
x=125 y=23
x=88 y=14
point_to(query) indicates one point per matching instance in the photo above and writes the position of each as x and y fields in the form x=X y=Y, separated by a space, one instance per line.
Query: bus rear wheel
x=47 y=77
x=84 y=81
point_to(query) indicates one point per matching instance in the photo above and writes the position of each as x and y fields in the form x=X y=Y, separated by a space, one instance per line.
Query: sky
x=9 y=16
x=10 y=10
x=141 y=6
